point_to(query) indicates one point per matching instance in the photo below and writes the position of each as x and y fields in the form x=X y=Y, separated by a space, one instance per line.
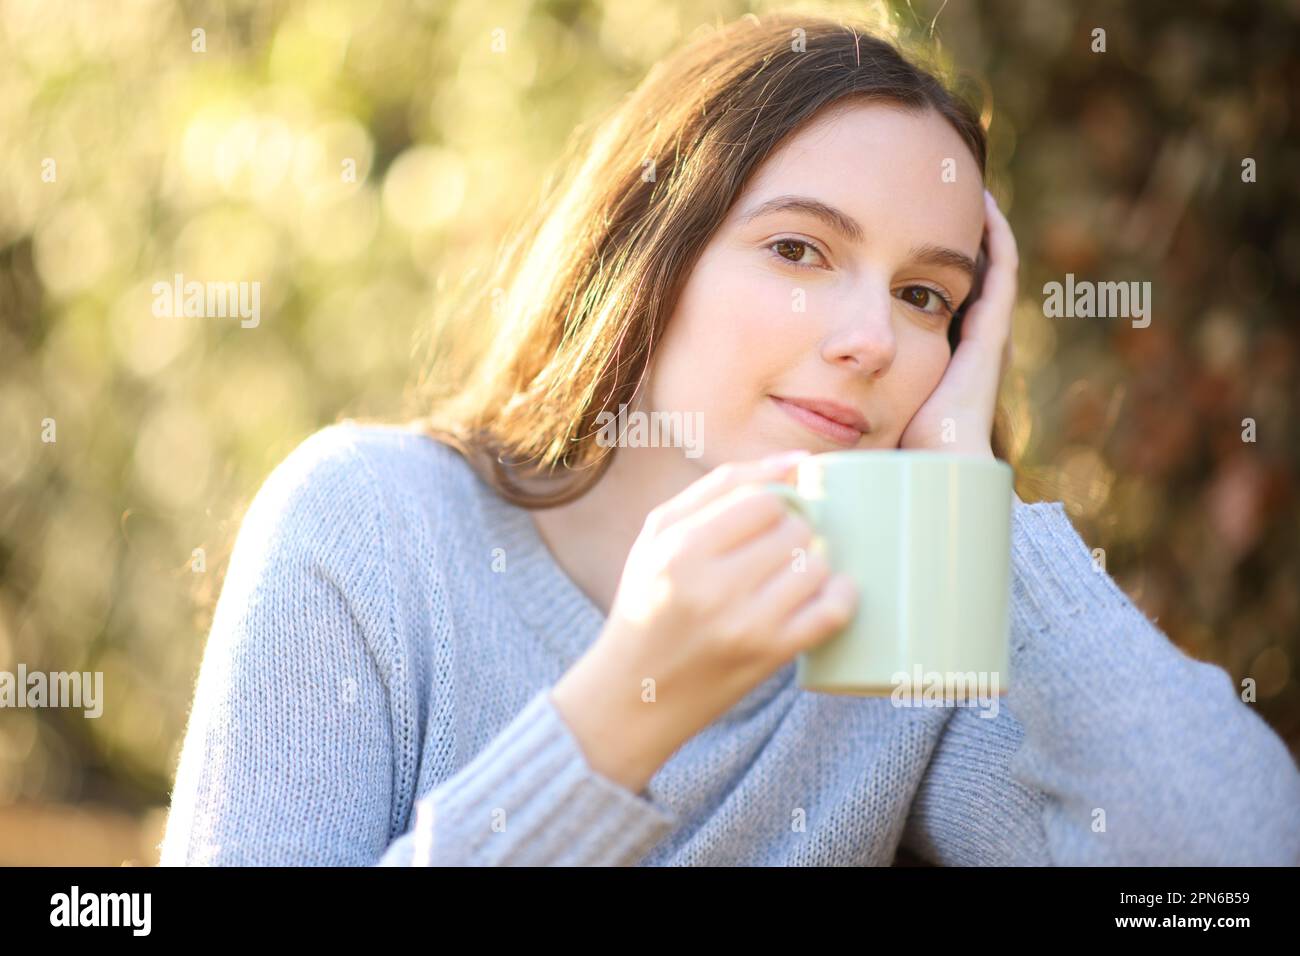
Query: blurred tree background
x=359 y=159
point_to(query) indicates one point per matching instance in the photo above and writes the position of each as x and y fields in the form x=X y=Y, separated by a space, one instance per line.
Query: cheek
x=927 y=361
x=731 y=331
x=730 y=303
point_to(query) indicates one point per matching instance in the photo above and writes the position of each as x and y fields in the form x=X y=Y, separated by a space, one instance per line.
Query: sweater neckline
x=547 y=600
x=554 y=607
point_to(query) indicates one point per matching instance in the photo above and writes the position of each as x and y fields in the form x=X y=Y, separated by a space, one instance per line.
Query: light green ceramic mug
x=927 y=538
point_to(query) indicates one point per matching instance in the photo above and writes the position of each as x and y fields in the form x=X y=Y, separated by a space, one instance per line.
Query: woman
x=494 y=639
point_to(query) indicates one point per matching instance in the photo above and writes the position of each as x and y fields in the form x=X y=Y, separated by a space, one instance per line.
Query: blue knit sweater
x=374 y=690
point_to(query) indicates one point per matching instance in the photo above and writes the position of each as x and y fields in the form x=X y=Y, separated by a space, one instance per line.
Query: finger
x=829 y=611
x=772 y=550
x=720 y=481
x=788 y=587
x=739 y=517
x=1003 y=257
x=987 y=325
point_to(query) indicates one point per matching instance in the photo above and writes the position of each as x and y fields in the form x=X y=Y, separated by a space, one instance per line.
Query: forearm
x=530 y=798
x=1148 y=755
x=623 y=736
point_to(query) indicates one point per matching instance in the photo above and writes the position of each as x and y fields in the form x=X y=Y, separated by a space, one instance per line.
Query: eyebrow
x=848 y=227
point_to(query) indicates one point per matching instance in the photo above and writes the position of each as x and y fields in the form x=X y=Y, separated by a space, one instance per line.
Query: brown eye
x=795 y=252
x=926 y=299
x=917 y=296
x=790 y=249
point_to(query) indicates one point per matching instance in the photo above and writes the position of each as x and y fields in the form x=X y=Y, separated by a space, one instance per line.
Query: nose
x=863 y=337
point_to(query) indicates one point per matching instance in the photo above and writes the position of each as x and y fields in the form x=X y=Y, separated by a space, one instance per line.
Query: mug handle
x=804 y=506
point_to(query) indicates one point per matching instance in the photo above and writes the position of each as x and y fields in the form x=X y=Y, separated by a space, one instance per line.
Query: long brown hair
x=582 y=290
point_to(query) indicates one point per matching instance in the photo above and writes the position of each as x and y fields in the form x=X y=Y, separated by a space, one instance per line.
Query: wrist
x=623 y=737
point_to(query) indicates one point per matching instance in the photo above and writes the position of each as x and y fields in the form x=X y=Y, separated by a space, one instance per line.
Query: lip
x=839 y=423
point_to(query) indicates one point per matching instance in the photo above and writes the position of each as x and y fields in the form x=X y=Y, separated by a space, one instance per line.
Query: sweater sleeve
x=530 y=798
x=302 y=743
x=1112 y=747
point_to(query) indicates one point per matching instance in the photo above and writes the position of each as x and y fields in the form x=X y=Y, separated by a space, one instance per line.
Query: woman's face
x=845 y=307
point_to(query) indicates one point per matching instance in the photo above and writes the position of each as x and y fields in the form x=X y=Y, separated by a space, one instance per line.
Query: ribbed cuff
x=530 y=798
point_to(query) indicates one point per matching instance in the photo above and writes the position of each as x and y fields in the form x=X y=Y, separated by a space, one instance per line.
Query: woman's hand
x=710 y=604
x=958 y=415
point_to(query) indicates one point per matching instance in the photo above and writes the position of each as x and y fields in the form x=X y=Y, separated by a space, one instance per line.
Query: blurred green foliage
x=355 y=159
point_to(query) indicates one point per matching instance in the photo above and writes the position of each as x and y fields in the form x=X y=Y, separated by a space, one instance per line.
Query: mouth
x=830 y=420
